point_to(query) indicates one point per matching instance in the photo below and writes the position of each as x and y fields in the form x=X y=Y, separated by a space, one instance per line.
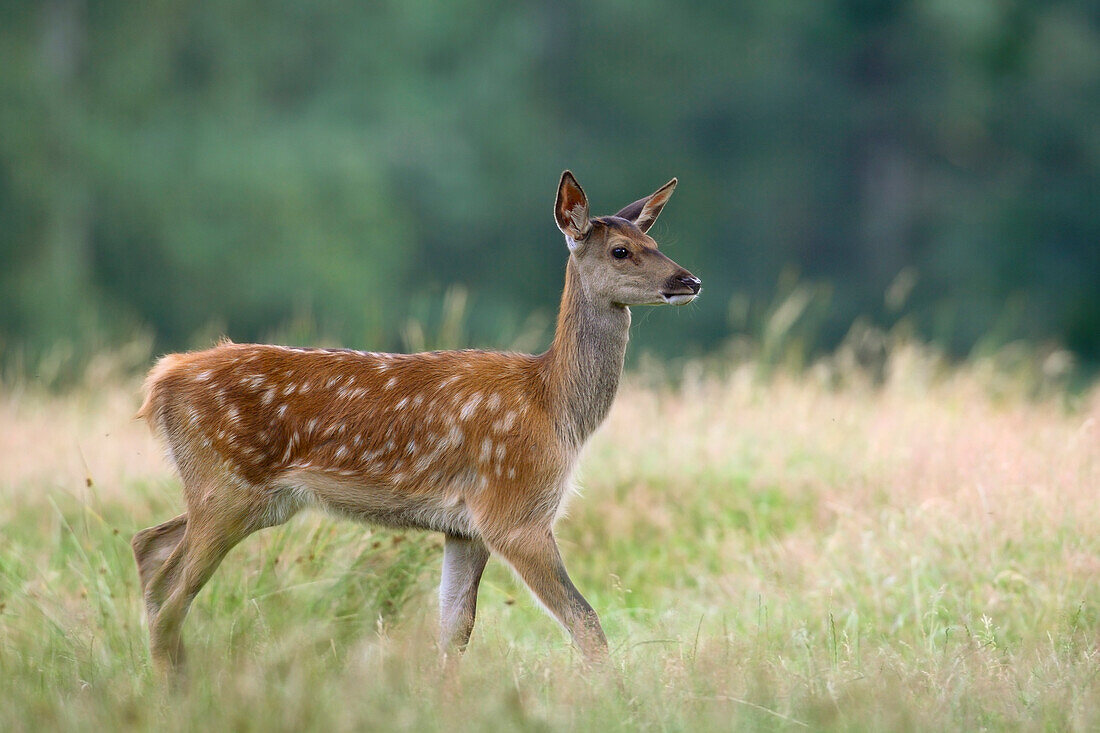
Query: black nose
x=690 y=282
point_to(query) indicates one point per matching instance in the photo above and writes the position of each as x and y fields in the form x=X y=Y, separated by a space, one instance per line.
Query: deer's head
x=618 y=263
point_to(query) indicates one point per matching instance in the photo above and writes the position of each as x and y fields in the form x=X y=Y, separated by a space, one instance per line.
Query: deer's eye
x=620 y=253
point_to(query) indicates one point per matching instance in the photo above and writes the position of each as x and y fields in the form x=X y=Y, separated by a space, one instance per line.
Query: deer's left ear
x=571 y=210
x=644 y=212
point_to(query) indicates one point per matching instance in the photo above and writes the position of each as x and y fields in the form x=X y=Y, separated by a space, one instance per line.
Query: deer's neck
x=585 y=361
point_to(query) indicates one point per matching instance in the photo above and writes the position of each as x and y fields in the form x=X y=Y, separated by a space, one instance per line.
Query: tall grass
x=898 y=546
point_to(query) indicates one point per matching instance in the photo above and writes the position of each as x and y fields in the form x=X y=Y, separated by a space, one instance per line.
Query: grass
x=775 y=553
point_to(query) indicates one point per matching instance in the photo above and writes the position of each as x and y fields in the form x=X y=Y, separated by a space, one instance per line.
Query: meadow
x=833 y=548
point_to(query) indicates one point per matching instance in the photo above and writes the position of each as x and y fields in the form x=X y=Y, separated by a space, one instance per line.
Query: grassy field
x=775 y=553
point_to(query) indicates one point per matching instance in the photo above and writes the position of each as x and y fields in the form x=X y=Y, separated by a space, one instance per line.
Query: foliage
x=192 y=168
x=766 y=553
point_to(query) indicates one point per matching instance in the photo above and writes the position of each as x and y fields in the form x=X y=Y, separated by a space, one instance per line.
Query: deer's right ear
x=571 y=210
x=644 y=212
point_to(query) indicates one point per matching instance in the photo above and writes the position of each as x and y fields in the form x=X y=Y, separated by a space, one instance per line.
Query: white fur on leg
x=463 y=563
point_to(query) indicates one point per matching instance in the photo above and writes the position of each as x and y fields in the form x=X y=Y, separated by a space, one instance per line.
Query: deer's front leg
x=463 y=562
x=535 y=557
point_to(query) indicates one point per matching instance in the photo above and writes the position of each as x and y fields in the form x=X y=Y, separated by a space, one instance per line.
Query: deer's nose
x=690 y=282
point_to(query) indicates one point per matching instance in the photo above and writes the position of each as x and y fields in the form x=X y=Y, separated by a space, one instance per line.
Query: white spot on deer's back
x=390 y=383
x=500 y=452
x=204 y=375
x=341 y=452
x=494 y=401
x=410 y=449
x=401 y=403
x=505 y=423
x=282 y=410
x=471 y=405
x=269 y=395
x=486 y=450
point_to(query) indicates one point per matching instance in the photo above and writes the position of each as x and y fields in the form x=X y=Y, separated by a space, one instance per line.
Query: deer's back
x=378 y=434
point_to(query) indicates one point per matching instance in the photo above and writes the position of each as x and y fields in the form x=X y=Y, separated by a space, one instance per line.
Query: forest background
x=329 y=173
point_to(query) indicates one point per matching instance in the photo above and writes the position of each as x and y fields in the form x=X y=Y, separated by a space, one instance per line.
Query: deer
x=478 y=445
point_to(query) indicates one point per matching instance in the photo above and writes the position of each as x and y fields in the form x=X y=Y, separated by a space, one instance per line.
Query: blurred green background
x=313 y=171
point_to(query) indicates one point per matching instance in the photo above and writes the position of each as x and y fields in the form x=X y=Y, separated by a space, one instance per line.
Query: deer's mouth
x=681 y=288
x=679 y=298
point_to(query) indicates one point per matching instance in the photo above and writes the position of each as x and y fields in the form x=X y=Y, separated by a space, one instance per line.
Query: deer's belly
x=441 y=509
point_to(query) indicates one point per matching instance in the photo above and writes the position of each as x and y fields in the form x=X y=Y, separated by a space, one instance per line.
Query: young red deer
x=478 y=445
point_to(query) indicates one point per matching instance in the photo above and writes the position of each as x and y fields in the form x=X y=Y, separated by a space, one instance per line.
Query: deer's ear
x=644 y=212
x=571 y=210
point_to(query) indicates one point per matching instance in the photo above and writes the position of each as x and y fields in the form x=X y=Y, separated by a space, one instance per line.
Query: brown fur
x=153 y=546
x=478 y=445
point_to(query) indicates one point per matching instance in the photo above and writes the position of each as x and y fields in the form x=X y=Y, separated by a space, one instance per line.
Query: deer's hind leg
x=211 y=529
x=152 y=547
